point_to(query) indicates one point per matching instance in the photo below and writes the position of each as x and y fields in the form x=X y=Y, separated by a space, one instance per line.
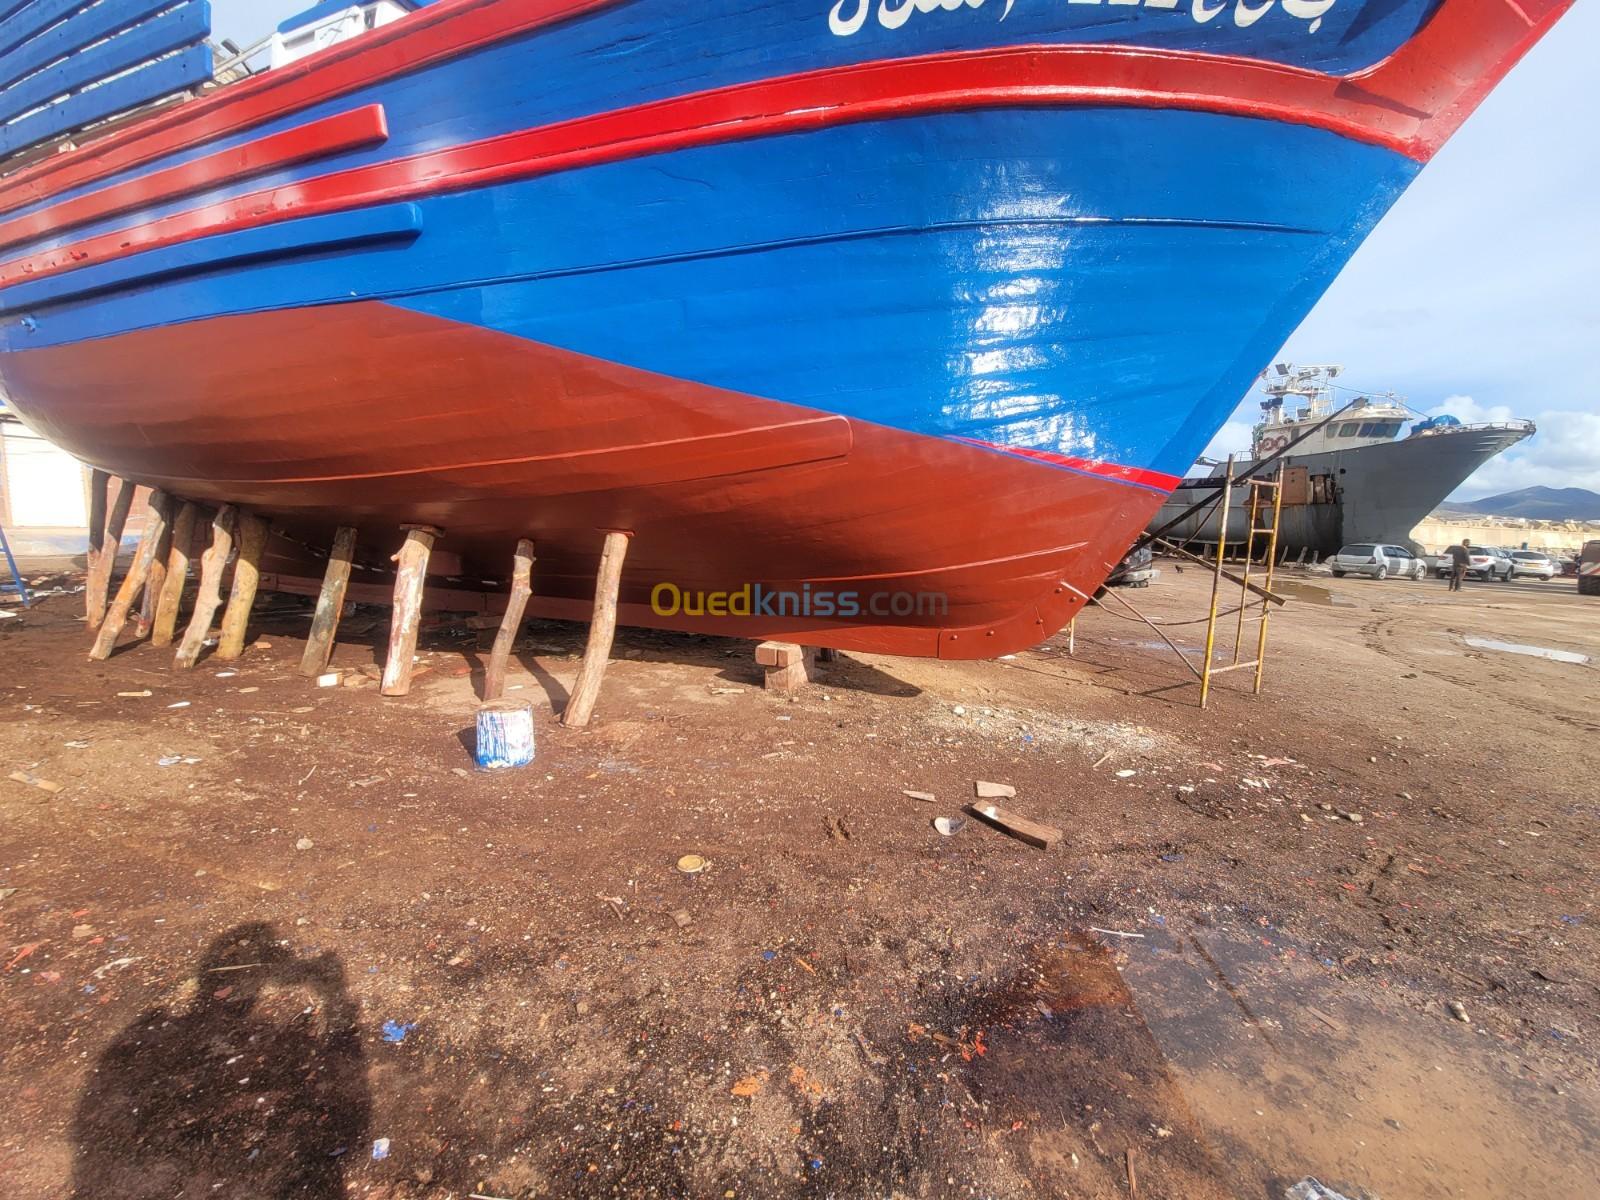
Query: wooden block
x=787 y=679
x=32 y=780
x=1032 y=832
x=779 y=654
x=993 y=791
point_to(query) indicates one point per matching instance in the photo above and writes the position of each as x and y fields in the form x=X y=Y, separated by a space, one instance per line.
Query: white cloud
x=1470 y=412
x=1565 y=452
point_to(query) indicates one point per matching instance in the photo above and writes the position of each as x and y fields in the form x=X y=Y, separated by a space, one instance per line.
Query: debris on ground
x=925 y=797
x=1033 y=832
x=751 y=1085
x=994 y=791
x=949 y=826
x=1312 y=1189
x=394 y=1032
x=1458 y=1010
x=32 y=780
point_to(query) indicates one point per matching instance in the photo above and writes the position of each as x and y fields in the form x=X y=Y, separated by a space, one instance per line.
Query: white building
x=44 y=493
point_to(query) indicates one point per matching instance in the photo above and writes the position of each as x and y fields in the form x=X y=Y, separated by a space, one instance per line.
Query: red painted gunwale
x=814 y=100
x=1415 y=99
x=343 y=132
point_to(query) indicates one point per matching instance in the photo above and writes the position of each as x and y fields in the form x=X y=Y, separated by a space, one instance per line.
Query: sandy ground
x=268 y=940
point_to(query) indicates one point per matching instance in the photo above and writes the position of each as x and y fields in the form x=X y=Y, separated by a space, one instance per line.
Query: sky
x=1478 y=295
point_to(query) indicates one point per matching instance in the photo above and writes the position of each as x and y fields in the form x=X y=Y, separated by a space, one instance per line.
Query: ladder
x=17 y=585
x=1266 y=498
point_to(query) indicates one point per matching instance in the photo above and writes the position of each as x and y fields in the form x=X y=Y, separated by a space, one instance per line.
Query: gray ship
x=1354 y=480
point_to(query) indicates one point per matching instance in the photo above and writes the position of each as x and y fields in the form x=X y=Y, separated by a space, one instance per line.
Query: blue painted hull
x=1095 y=282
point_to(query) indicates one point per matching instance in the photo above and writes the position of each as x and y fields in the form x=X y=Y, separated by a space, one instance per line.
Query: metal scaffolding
x=1266 y=496
x=1256 y=597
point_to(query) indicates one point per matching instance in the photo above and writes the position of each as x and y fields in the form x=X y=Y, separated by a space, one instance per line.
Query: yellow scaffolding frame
x=1259 y=489
x=1248 y=587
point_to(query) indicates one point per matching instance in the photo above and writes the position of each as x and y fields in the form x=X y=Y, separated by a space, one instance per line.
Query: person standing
x=1460 y=559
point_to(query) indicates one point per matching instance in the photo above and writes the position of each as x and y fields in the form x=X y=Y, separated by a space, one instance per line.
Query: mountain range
x=1532 y=504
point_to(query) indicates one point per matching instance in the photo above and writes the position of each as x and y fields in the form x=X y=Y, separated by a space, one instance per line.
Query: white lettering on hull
x=849 y=17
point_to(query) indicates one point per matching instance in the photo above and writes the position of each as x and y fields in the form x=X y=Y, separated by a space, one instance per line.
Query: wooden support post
x=411 y=573
x=155 y=522
x=602 y=629
x=330 y=603
x=94 y=606
x=154 y=584
x=494 y=679
x=170 y=599
x=208 y=596
x=253 y=532
x=102 y=565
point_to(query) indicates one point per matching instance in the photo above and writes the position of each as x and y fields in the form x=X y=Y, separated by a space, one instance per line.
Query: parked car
x=1533 y=565
x=1485 y=562
x=1499 y=567
x=1377 y=560
x=1136 y=569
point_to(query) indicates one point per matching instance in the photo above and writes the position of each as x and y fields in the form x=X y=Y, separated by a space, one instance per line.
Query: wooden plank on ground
x=1044 y=837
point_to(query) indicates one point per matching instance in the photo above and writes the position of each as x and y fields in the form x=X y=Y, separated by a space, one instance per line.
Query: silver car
x=1533 y=565
x=1378 y=560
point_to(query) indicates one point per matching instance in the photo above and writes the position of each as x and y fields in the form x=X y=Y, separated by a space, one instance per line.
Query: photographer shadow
x=258 y=1088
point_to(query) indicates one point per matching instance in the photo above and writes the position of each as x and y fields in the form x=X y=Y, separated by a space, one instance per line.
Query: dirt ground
x=270 y=940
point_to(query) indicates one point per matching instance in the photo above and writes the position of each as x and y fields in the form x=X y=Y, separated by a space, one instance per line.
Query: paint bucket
x=505 y=734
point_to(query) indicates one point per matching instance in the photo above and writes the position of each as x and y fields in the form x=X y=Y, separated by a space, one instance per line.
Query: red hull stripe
x=354 y=130
x=435 y=34
x=796 y=103
x=1158 y=481
x=1414 y=100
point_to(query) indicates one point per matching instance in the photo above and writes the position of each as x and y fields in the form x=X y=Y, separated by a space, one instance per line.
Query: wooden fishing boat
x=906 y=313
